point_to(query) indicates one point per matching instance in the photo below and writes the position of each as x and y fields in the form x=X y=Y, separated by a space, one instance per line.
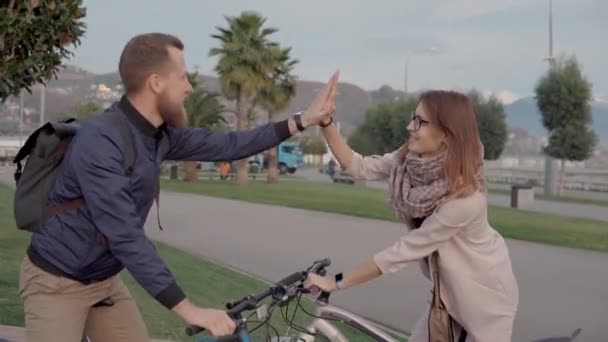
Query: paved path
x=588 y=211
x=561 y=289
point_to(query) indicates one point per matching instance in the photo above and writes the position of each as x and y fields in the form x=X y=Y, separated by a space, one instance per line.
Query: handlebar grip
x=320 y=265
x=192 y=330
x=325 y=262
x=292 y=279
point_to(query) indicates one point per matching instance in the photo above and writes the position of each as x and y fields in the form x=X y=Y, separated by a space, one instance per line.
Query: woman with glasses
x=436 y=187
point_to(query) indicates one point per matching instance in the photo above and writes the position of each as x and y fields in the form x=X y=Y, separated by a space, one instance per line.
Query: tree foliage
x=491 y=124
x=563 y=97
x=384 y=128
x=245 y=63
x=203 y=108
x=313 y=145
x=35 y=36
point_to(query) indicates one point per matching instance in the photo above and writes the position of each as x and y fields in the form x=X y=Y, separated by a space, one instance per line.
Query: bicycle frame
x=324 y=327
x=243 y=335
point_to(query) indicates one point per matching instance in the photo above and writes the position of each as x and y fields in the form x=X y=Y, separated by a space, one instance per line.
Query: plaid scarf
x=418 y=186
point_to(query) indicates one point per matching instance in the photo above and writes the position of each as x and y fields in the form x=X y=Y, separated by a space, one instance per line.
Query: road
x=587 y=211
x=560 y=288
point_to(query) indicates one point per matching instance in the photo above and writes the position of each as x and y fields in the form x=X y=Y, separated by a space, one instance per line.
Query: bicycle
x=292 y=288
x=284 y=292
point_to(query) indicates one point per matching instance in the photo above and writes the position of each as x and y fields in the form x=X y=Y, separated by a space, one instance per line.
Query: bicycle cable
x=299 y=328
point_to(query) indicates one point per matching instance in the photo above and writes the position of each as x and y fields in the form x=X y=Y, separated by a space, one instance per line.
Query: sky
x=495 y=46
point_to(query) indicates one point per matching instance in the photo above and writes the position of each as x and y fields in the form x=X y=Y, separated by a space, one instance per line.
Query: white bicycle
x=322 y=326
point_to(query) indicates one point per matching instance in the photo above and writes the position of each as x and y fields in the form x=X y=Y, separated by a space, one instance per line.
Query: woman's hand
x=322 y=283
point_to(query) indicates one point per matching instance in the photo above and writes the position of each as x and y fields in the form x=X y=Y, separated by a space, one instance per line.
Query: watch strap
x=339 y=279
x=297 y=117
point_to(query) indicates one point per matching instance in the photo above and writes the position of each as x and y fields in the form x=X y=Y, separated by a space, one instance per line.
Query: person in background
x=331 y=168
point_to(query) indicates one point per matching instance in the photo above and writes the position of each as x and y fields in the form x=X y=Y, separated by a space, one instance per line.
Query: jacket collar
x=139 y=121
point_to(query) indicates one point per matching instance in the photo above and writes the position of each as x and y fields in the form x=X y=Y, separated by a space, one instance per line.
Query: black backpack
x=45 y=149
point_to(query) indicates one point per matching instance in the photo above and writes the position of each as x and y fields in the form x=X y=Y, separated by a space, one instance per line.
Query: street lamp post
x=551 y=186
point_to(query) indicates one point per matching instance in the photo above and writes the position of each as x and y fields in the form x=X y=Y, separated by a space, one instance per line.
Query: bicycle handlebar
x=277 y=290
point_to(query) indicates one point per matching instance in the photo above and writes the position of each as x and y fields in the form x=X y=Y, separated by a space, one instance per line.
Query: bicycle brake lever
x=324 y=297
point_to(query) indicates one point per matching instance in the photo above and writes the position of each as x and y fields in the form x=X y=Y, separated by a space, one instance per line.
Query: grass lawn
x=372 y=203
x=206 y=283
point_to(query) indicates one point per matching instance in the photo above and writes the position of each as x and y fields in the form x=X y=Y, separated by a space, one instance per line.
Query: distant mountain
x=524 y=114
x=75 y=85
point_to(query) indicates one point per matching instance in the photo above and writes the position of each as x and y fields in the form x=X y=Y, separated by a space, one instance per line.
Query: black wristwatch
x=339 y=278
x=297 y=117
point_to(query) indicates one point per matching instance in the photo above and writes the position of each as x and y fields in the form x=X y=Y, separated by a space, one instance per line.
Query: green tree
x=384 y=128
x=562 y=97
x=86 y=110
x=276 y=96
x=491 y=124
x=203 y=109
x=362 y=143
x=245 y=63
x=313 y=145
x=34 y=39
x=82 y=111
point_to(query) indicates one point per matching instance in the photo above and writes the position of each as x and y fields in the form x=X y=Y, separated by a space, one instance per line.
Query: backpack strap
x=163 y=145
x=130 y=154
x=65 y=129
x=120 y=124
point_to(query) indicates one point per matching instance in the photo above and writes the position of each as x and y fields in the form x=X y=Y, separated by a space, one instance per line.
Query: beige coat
x=477 y=282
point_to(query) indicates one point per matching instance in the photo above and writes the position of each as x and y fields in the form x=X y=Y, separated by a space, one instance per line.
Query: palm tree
x=203 y=109
x=276 y=97
x=245 y=61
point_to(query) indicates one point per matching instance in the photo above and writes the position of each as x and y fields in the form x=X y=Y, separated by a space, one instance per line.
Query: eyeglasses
x=418 y=121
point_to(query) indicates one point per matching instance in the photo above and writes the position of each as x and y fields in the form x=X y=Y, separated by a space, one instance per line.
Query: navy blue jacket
x=116 y=204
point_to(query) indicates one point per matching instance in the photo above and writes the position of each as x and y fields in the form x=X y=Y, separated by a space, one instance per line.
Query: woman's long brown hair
x=454 y=114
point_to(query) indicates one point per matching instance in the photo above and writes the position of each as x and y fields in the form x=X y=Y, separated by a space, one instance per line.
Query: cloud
x=600 y=97
x=462 y=9
x=505 y=96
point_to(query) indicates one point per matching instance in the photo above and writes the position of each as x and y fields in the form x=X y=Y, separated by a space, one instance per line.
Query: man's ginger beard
x=172 y=113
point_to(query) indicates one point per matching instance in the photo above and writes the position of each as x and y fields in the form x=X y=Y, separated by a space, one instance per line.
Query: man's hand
x=324 y=105
x=217 y=322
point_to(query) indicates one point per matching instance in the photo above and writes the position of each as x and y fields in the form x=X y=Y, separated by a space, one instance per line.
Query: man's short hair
x=145 y=54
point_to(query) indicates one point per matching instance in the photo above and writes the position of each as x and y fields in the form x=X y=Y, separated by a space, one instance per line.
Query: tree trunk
x=273 y=169
x=562 y=174
x=241 y=123
x=190 y=172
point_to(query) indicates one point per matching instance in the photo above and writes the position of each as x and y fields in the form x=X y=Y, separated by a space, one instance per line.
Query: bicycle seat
x=108 y=301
